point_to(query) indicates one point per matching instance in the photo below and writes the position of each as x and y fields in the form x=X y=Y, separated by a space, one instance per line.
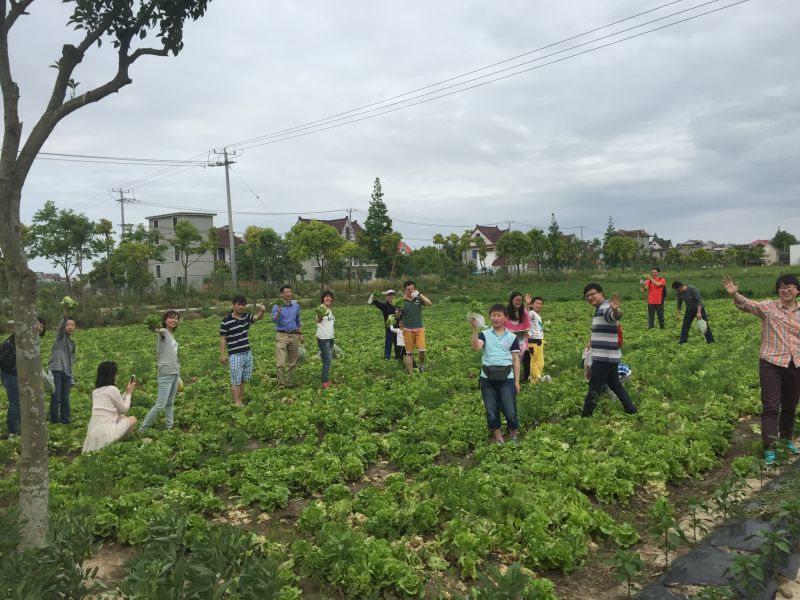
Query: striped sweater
x=605 y=343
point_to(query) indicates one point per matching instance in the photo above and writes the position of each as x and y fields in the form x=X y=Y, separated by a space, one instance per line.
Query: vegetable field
x=386 y=485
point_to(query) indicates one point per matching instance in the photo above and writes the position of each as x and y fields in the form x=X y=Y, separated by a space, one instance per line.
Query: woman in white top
x=109 y=422
x=169 y=370
x=325 y=337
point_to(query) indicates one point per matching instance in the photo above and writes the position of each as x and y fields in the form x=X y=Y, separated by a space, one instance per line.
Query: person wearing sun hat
x=779 y=362
x=388 y=309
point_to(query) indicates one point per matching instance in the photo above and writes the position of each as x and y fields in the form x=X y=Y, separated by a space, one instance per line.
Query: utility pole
x=122 y=202
x=231 y=245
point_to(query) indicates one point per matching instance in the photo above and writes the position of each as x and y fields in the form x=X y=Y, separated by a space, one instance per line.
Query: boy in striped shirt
x=233 y=337
x=604 y=350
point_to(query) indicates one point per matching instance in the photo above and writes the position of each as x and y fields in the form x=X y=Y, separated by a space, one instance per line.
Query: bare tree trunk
x=33 y=495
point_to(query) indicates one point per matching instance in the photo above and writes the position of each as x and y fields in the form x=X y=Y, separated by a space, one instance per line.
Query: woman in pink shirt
x=109 y=423
x=518 y=322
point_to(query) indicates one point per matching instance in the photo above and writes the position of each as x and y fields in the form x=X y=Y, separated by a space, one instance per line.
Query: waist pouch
x=496 y=373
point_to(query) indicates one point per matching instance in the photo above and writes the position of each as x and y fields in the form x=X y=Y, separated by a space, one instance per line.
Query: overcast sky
x=688 y=132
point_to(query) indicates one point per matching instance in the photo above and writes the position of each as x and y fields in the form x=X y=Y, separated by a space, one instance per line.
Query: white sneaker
x=545 y=378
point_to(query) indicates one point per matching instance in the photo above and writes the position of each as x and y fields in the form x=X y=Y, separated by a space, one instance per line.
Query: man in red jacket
x=656 y=287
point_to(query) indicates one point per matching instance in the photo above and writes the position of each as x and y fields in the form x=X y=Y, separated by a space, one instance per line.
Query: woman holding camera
x=109 y=423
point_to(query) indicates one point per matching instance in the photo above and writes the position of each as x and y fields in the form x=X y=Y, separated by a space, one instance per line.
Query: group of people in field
x=512 y=347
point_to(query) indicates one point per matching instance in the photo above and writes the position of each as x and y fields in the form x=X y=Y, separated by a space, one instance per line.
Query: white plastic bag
x=48 y=384
x=479 y=321
x=702 y=326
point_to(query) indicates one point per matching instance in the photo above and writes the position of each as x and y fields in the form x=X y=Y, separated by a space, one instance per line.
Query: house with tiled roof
x=640 y=235
x=490 y=234
x=771 y=255
x=349 y=230
x=658 y=247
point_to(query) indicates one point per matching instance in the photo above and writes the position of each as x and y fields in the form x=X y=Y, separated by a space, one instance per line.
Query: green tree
x=516 y=247
x=377 y=224
x=610 y=232
x=63 y=237
x=103 y=245
x=390 y=248
x=782 y=240
x=554 y=242
x=480 y=246
x=621 y=249
x=440 y=242
x=428 y=260
x=126 y=24
x=539 y=247
x=704 y=257
x=190 y=247
x=129 y=260
x=251 y=254
x=316 y=241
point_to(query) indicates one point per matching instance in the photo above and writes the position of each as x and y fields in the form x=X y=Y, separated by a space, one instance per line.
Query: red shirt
x=654 y=292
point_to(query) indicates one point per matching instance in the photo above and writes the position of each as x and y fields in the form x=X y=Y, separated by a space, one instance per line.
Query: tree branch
x=148 y=51
x=18 y=8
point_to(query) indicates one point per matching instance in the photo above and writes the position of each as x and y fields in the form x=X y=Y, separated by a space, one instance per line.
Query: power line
x=500 y=78
x=115 y=159
x=448 y=80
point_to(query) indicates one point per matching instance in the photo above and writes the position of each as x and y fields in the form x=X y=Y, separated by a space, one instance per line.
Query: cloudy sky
x=690 y=131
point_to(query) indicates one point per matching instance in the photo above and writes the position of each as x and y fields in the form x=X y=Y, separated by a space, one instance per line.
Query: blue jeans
x=12 y=390
x=59 y=401
x=500 y=396
x=606 y=374
x=389 y=340
x=326 y=352
x=689 y=317
x=167 y=388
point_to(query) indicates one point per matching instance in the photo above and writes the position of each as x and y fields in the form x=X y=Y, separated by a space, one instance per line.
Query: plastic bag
x=702 y=326
x=301 y=355
x=479 y=321
x=337 y=352
x=48 y=384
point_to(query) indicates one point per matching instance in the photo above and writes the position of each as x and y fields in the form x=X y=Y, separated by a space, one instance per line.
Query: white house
x=770 y=251
x=348 y=230
x=490 y=235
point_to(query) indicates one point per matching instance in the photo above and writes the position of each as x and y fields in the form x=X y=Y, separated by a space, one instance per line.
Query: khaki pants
x=286 y=345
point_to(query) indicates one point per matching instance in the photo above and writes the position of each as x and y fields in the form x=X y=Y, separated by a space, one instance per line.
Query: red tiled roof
x=224 y=240
x=757 y=243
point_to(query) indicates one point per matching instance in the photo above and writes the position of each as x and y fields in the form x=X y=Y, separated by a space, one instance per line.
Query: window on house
x=174 y=223
x=169 y=281
x=475 y=254
x=158 y=239
x=158 y=271
x=180 y=280
x=367 y=275
x=177 y=255
x=221 y=254
x=155 y=223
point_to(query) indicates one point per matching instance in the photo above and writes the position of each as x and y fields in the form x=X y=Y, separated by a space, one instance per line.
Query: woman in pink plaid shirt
x=779 y=365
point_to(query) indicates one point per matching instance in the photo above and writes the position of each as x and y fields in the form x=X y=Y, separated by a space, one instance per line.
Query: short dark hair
x=676 y=285
x=786 y=279
x=169 y=314
x=325 y=294
x=238 y=299
x=408 y=283
x=592 y=286
x=44 y=325
x=106 y=374
x=535 y=298
x=285 y=286
x=655 y=269
x=498 y=308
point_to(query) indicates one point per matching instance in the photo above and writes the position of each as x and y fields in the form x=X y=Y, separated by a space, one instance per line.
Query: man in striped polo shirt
x=779 y=363
x=605 y=352
x=233 y=337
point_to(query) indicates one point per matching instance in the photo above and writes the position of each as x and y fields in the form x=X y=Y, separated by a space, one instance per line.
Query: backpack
x=8 y=355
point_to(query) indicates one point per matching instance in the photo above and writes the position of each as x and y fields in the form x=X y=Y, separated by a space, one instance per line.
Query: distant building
x=640 y=235
x=794 y=254
x=658 y=247
x=49 y=277
x=348 y=230
x=689 y=247
x=170 y=271
x=490 y=235
x=771 y=255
